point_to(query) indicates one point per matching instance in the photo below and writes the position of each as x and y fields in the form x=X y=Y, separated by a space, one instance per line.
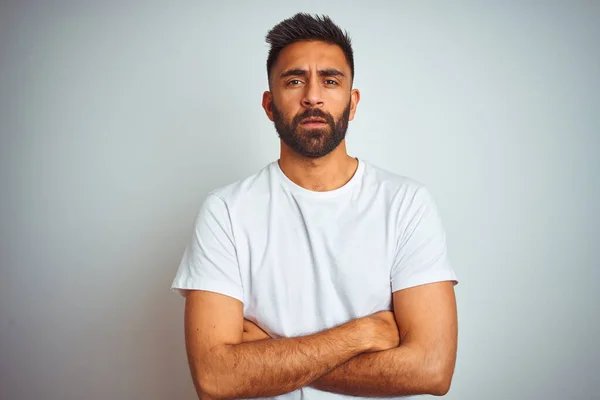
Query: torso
x=310 y=261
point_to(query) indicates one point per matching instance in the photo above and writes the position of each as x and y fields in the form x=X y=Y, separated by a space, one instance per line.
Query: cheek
x=287 y=111
x=283 y=115
x=288 y=106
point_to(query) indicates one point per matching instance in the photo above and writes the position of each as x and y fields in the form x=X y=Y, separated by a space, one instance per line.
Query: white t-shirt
x=303 y=261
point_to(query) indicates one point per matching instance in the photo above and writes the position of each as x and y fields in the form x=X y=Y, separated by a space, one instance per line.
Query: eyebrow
x=303 y=72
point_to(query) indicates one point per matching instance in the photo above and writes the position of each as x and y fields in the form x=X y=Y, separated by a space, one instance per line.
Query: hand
x=383 y=331
x=252 y=332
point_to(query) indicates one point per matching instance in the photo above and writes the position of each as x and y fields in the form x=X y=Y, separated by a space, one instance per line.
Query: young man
x=292 y=273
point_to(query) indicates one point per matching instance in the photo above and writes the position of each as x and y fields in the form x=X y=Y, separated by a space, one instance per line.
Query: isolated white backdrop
x=117 y=118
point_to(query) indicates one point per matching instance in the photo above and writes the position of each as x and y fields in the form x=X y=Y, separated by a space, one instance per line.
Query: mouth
x=313 y=122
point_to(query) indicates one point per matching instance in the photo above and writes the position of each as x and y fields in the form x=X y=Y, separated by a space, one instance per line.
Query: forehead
x=307 y=54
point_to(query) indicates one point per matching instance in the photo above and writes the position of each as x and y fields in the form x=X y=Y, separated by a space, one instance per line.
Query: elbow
x=440 y=387
x=208 y=388
x=210 y=381
x=205 y=390
x=440 y=382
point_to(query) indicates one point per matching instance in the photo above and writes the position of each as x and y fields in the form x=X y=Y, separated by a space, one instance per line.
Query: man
x=292 y=274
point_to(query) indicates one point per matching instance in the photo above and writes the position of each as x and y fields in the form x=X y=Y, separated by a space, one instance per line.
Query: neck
x=318 y=174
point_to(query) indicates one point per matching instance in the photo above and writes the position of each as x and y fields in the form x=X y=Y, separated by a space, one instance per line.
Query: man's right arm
x=225 y=368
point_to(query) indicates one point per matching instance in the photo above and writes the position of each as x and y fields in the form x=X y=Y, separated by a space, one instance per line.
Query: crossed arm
x=424 y=361
x=360 y=358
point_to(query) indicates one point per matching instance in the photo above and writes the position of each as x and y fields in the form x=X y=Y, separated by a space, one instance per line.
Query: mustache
x=313 y=113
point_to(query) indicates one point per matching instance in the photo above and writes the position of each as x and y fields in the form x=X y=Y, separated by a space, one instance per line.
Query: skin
x=424 y=362
x=295 y=94
x=411 y=350
x=223 y=366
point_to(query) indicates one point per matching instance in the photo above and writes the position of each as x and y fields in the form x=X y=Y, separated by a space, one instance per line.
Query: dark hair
x=303 y=26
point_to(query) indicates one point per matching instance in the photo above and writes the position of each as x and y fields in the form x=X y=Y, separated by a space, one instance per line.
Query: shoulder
x=390 y=183
x=404 y=195
x=248 y=189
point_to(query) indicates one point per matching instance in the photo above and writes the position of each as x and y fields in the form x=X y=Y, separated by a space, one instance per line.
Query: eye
x=331 y=82
x=294 y=82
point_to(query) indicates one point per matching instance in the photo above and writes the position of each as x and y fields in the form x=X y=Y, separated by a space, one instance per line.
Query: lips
x=313 y=121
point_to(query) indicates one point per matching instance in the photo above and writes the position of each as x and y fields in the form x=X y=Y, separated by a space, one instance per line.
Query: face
x=311 y=98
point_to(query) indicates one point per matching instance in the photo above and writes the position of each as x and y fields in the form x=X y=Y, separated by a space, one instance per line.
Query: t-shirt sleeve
x=209 y=261
x=421 y=255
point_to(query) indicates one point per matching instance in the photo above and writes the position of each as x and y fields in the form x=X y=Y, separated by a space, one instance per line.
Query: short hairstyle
x=303 y=26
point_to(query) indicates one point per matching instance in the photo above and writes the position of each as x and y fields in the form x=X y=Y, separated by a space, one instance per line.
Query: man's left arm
x=423 y=363
x=422 y=283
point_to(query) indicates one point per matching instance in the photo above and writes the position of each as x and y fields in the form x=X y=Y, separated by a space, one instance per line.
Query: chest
x=306 y=268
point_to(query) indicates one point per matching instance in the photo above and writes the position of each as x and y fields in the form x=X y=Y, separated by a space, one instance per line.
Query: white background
x=117 y=118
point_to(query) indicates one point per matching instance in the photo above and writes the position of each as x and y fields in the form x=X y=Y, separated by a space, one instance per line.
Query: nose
x=312 y=95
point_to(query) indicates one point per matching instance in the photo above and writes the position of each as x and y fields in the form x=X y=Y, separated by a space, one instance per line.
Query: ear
x=267 y=104
x=354 y=99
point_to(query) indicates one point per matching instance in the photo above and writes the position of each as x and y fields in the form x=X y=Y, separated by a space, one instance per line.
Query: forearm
x=402 y=371
x=268 y=368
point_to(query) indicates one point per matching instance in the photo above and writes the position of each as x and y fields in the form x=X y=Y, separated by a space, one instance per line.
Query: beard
x=312 y=143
